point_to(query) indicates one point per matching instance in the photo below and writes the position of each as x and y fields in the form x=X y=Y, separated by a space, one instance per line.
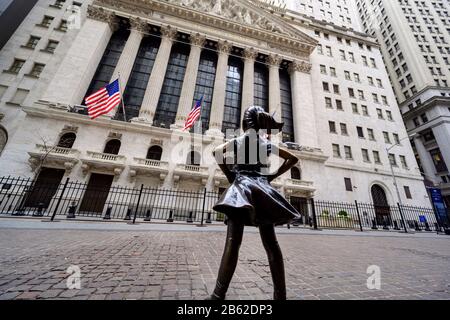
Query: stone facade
x=293 y=40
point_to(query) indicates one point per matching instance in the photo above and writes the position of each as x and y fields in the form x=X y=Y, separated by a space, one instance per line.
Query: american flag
x=104 y=100
x=194 y=114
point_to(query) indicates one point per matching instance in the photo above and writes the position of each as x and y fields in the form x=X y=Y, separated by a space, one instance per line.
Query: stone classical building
x=327 y=83
x=415 y=41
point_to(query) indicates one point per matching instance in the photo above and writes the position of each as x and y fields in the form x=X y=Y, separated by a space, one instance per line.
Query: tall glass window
x=166 y=110
x=233 y=95
x=109 y=61
x=286 y=106
x=137 y=84
x=261 y=86
x=205 y=84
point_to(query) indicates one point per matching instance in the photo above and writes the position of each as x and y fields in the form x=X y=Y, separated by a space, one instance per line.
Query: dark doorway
x=67 y=140
x=154 y=153
x=382 y=209
x=112 y=147
x=96 y=193
x=44 y=188
x=301 y=204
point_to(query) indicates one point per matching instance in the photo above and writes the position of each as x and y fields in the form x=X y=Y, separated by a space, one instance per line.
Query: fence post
x=137 y=205
x=359 y=217
x=403 y=219
x=313 y=207
x=203 y=208
x=59 y=200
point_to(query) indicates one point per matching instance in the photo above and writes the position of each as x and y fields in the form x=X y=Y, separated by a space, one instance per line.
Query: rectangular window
x=387 y=139
x=19 y=96
x=380 y=114
x=365 y=155
x=348 y=152
x=360 y=132
x=333 y=72
x=344 y=130
x=336 y=151
x=328 y=103
x=365 y=111
x=326 y=86
x=16 y=66
x=332 y=126
x=389 y=115
x=32 y=42
x=51 y=46
x=407 y=192
x=37 y=70
x=403 y=162
x=62 y=26
x=396 y=138
x=371 y=134
x=392 y=160
x=351 y=93
x=339 y=105
x=355 y=108
x=376 y=157
x=46 y=21
x=323 y=69
x=336 y=89
x=348 y=184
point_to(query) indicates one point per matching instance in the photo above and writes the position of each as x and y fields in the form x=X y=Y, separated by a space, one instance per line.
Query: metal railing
x=27 y=197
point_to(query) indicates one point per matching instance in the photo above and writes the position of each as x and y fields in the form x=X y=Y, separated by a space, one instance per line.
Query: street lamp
x=392 y=168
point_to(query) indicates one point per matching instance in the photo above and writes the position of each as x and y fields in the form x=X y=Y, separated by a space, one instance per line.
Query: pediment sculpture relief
x=233 y=10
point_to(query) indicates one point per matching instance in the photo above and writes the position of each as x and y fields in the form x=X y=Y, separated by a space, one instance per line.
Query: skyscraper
x=414 y=37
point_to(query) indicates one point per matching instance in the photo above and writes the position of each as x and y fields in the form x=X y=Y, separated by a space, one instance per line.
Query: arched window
x=296 y=174
x=3 y=139
x=154 y=153
x=193 y=158
x=67 y=140
x=112 y=146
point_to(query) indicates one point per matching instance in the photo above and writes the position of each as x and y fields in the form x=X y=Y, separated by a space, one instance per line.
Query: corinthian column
x=220 y=84
x=156 y=80
x=248 y=91
x=129 y=54
x=190 y=80
x=303 y=104
x=274 y=62
x=72 y=79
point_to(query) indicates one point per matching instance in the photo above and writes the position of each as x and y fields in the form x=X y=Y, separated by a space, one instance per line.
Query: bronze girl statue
x=251 y=200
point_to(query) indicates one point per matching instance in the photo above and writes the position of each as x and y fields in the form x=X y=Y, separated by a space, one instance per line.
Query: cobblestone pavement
x=168 y=264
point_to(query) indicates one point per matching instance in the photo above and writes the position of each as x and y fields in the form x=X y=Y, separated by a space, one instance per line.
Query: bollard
x=396 y=225
x=416 y=226
x=189 y=220
x=108 y=214
x=427 y=227
x=148 y=215
x=39 y=212
x=170 y=217
x=72 y=209
x=128 y=216
x=374 y=225
x=208 y=220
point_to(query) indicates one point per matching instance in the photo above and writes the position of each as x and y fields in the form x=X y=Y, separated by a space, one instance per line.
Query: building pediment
x=242 y=17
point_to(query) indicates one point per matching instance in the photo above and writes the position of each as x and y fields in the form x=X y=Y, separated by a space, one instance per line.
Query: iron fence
x=27 y=197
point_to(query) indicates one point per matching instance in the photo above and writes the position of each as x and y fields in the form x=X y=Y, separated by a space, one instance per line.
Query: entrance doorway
x=44 y=188
x=382 y=208
x=96 y=193
x=301 y=204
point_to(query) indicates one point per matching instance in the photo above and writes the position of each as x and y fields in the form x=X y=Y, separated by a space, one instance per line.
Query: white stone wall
x=45 y=124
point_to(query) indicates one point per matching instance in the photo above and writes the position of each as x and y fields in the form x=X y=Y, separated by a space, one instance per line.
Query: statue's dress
x=251 y=198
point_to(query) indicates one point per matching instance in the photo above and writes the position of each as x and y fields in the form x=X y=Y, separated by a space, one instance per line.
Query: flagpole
x=121 y=99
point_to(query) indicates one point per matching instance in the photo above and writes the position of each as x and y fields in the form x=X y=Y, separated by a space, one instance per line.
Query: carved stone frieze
x=300 y=66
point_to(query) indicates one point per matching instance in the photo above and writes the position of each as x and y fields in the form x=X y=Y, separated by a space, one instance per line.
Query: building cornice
x=375 y=171
x=430 y=103
x=275 y=32
x=419 y=93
